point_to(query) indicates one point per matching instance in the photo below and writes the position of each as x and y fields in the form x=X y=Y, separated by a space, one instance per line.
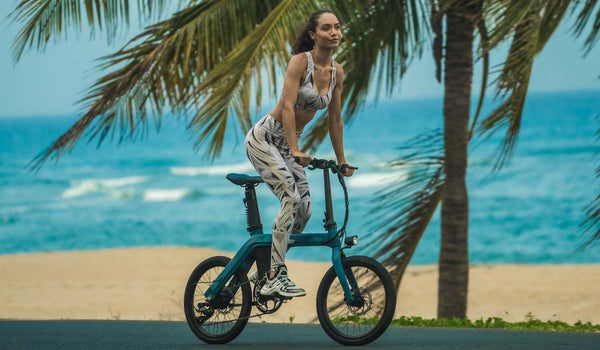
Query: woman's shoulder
x=339 y=71
x=300 y=58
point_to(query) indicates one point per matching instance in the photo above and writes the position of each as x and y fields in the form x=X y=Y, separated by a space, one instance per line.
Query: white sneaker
x=281 y=285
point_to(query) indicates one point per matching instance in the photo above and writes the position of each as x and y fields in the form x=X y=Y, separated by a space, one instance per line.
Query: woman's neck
x=322 y=57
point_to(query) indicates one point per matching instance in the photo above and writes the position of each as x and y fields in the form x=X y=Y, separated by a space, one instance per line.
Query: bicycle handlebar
x=317 y=163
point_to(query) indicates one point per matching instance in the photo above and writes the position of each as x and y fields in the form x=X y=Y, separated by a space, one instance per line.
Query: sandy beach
x=148 y=284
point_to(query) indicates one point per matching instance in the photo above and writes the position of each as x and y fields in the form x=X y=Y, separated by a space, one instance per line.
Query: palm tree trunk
x=458 y=70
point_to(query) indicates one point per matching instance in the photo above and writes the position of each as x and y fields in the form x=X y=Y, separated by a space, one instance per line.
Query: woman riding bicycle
x=313 y=81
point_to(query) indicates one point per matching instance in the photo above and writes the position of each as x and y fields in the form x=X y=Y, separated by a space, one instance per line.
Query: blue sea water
x=158 y=191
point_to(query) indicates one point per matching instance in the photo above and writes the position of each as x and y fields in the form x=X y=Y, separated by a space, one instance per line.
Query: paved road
x=176 y=335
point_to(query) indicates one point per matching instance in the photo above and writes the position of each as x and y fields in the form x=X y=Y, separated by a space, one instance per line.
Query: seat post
x=252 y=214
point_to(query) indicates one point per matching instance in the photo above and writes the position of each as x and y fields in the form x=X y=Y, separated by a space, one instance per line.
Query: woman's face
x=328 y=33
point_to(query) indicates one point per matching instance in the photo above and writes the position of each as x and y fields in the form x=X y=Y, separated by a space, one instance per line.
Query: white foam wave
x=81 y=187
x=376 y=179
x=162 y=195
x=212 y=170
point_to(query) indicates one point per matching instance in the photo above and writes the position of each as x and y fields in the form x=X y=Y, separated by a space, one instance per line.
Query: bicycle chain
x=241 y=318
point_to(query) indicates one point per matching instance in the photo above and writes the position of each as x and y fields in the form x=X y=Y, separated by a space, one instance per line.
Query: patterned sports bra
x=308 y=98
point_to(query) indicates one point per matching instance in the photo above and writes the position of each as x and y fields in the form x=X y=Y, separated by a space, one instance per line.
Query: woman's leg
x=303 y=209
x=264 y=152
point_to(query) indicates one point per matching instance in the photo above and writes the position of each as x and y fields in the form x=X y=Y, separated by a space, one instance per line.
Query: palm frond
x=437 y=18
x=503 y=16
x=403 y=211
x=378 y=47
x=591 y=225
x=227 y=85
x=44 y=19
x=586 y=12
x=484 y=37
x=552 y=15
x=514 y=80
x=159 y=68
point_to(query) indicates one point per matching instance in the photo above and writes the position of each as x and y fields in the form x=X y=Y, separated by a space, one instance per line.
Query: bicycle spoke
x=221 y=320
x=354 y=321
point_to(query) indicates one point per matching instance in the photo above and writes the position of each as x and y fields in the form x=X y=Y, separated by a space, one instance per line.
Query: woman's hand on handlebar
x=347 y=169
x=301 y=158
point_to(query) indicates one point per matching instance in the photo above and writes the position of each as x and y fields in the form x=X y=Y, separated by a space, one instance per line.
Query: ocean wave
x=171 y=195
x=212 y=170
x=82 y=187
x=376 y=179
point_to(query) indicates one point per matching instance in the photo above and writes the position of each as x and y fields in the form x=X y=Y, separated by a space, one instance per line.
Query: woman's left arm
x=336 y=127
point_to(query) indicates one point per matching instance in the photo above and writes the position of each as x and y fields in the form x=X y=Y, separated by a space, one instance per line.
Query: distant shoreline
x=148 y=283
x=488 y=99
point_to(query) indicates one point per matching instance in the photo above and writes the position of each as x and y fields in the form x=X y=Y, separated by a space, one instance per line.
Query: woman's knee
x=291 y=198
x=304 y=210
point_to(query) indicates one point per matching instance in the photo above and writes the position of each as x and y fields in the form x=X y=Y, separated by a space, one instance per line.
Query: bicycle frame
x=245 y=257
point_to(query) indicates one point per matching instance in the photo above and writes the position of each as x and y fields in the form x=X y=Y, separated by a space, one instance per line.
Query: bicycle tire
x=330 y=297
x=192 y=315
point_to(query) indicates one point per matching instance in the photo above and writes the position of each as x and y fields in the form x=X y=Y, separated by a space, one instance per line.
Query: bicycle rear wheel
x=371 y=313
x=220 y=320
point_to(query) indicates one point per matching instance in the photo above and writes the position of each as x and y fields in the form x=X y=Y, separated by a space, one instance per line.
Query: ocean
x=157 y=191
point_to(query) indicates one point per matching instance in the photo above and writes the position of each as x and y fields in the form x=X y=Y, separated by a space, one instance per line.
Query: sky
x=50 y=83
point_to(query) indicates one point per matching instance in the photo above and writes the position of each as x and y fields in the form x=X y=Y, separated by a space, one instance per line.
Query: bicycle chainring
x=266 y=304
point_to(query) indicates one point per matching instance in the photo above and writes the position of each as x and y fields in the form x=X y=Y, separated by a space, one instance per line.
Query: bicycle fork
x=345 y=277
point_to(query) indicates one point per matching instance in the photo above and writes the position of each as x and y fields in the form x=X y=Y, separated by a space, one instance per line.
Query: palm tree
x=406 y=209
x=189 y=65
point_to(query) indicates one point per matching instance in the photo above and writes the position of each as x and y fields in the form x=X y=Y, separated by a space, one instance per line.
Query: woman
x=313 y=81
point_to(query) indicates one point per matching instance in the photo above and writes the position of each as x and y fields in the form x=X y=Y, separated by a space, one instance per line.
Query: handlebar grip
x=349 y=166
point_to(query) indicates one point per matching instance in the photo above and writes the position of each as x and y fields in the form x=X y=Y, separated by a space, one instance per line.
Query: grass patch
x=531 y=323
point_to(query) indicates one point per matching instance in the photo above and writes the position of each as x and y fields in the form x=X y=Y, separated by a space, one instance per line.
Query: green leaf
x=157 y=70
x=226 y=86
x=584 y=16
x=514 y=81
x=44 y=19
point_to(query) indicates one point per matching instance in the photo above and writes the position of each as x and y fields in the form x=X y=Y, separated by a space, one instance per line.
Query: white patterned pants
x=268 y=151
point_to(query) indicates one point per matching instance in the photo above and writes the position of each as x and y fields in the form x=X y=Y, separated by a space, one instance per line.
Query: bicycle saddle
x=243 y=179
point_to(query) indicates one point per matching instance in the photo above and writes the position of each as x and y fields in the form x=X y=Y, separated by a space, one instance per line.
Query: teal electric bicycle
x=356 y=298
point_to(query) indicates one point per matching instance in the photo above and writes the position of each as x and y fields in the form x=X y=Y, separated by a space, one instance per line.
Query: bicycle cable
x=339 y=170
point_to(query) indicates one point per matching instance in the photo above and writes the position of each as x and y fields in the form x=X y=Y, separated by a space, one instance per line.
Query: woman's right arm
x=291 y=83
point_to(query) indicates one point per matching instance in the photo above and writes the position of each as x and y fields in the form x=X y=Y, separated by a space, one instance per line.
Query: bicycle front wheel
x=368 y=317
x=220 y=320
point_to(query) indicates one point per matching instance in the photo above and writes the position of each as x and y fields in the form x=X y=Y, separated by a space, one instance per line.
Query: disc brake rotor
x=367 y=303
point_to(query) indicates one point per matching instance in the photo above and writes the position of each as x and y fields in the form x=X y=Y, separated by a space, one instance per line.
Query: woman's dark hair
x=304 y=42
